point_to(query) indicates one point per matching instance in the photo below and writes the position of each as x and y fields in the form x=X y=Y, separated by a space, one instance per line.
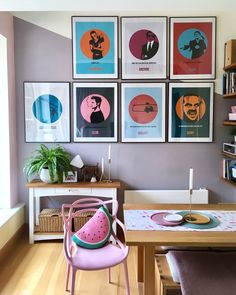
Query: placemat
x=214 y=222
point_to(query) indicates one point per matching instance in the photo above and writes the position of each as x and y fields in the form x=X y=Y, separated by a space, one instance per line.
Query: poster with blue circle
x=143 y=112
x=47 y=111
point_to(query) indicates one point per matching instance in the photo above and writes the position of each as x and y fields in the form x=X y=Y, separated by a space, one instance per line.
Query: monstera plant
x=49 y=163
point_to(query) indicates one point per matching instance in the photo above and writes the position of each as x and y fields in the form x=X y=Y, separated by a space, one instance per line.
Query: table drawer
x=41 y=192
x=73 y=191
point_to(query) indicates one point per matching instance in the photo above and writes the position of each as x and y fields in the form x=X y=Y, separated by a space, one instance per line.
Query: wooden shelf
x=229 y=155
x=229 y=181
x=230 y=95
x=230 y=67
x=229 y=123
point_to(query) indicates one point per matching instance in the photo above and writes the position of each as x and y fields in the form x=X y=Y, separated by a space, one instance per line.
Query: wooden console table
x=39 y=190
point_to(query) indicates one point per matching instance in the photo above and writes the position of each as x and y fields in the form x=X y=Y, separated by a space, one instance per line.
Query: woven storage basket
x=50 y=220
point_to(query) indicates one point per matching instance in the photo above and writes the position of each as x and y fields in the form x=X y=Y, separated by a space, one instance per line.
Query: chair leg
x=72 y=288
x=126 y=277
x=67 y=276
x=109 y=275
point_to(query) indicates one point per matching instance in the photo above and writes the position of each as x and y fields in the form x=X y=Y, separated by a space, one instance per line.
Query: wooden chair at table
x=79 y=258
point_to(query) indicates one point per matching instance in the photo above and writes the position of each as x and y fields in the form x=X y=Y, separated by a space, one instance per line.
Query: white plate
x=173 y=217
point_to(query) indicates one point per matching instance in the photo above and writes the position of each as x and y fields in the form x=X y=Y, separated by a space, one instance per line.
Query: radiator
x=166 y=196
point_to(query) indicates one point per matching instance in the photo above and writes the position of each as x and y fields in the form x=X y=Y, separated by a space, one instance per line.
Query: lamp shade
x=77 y=162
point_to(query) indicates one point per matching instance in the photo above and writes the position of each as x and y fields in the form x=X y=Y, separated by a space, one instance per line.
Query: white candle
x=102 y=166
x=109 y=152
x=191 y=178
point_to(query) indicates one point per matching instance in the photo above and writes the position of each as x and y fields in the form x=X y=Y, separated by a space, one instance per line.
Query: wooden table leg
x=140 y=264
x=149 y=270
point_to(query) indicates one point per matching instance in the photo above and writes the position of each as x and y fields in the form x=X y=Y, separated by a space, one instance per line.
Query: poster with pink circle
x=143 y=47
x=95 y=112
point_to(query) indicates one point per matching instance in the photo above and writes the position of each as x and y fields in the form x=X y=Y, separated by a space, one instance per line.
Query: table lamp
x=77 y=162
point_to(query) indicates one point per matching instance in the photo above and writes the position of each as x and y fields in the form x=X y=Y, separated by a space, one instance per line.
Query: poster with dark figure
x=94 y=47
x=191 y=112
x=143 y=47
x=95 y=112
x=192 y=48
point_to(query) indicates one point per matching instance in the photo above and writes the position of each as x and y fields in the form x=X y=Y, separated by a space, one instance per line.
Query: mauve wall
x=6 y=29
x=41 y=55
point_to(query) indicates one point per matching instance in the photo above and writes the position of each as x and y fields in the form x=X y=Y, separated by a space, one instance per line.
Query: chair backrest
x=78 y=207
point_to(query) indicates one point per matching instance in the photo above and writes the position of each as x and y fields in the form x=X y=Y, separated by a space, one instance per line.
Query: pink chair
x=79 y=258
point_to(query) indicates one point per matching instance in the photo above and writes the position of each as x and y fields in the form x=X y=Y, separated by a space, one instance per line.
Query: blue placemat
x=214 y=222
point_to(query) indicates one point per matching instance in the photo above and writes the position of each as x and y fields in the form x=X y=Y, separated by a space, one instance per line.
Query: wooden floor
x=40 y=269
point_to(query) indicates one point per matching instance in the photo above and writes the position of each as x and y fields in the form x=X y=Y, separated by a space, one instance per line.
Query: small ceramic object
x=173 y=217
x=93 y=179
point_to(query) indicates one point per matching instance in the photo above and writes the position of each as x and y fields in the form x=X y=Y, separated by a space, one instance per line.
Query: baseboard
x=9 y=247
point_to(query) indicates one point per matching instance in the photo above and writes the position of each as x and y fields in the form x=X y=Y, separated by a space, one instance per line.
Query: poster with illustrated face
x=143 y=112
x=94 y=47
x=192 y=48
x=191 y=112
x=143 y=47
x=95 y=112
x=47 y=111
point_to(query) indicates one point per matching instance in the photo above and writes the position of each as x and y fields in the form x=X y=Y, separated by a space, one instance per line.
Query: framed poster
x=95 y=112
x=191 y=112
x=143 y=112
x=47 y=111
x=143 y=47
x=192 y=47
x=94 y=41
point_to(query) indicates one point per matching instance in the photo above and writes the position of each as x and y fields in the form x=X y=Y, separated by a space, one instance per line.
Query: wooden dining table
x=147 y=240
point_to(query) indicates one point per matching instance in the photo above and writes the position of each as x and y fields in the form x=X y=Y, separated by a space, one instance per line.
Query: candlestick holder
x=107 y=179
x=188 y=217
x=195 y=217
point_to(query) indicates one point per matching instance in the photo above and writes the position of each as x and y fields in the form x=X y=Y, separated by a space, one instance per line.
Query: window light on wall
x=4 y=121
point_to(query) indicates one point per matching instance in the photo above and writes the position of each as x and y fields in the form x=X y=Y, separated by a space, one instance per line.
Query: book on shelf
x=229 y=83
x=229 y=169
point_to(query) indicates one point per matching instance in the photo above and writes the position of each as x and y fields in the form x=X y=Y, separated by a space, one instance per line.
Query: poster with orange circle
x=94 y=47
x=191 y=112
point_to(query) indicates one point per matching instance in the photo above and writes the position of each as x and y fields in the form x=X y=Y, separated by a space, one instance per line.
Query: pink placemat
x=159 y=219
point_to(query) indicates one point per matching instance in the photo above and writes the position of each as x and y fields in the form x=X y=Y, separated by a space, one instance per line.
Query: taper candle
x=191 y=178
x=109 y=152
x=102 y=166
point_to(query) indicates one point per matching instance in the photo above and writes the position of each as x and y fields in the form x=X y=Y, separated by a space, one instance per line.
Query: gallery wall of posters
x=95 y=47
x=192 y=47
x=143 y=112
x=143 y=47
x=47 y=111
x=95 y=112
x=191 y=112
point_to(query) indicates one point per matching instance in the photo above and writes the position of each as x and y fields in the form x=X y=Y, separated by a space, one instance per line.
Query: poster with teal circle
x=47 y=111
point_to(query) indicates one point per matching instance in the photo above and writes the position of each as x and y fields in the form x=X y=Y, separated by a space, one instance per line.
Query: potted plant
x=233 y=133
x=49 y=163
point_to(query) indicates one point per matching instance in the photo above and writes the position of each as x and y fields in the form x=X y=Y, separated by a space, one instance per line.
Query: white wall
x=183 y=6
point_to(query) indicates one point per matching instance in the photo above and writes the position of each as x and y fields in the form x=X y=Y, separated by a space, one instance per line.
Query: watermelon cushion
x=95 y=232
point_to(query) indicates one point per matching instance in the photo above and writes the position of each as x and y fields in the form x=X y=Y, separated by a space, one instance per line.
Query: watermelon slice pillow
x=95 y=232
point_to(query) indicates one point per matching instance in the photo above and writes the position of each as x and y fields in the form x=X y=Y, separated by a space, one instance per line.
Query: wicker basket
x=50 y=220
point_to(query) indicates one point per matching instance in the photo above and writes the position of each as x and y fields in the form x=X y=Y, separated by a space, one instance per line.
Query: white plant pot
x=45 y=177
